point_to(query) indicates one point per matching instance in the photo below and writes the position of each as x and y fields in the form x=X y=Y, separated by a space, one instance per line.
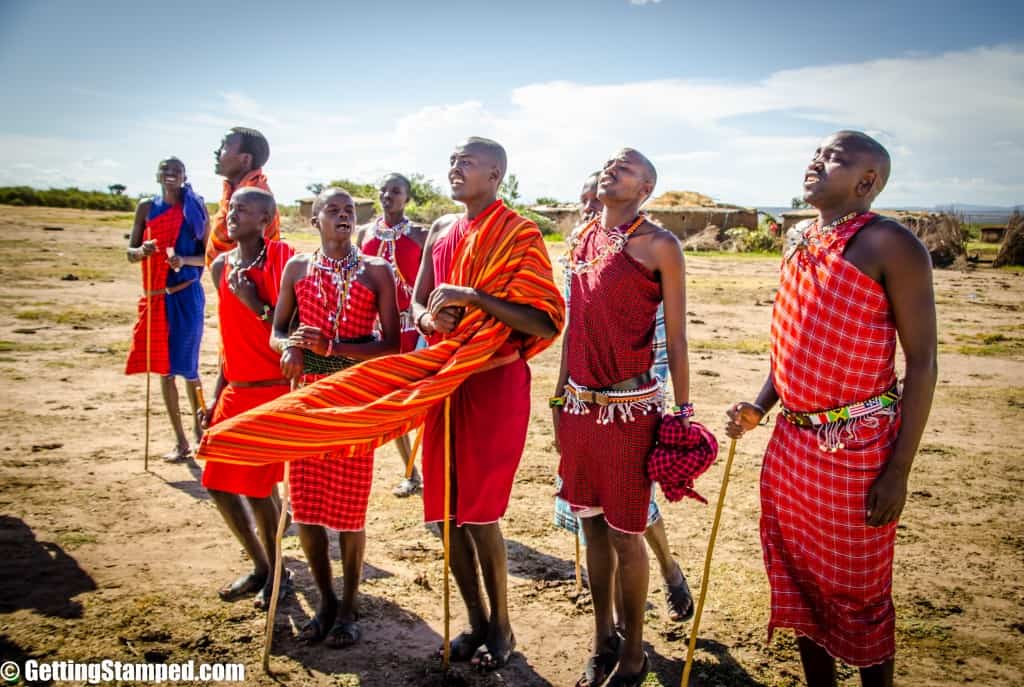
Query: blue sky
x=727 y=98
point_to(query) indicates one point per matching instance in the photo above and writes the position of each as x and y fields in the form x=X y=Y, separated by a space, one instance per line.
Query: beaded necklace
x=235 y=257
x=617 y=238
x=342 y=272
x=812 y=236
x=388 y=236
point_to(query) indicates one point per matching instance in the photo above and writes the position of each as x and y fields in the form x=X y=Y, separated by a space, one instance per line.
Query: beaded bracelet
x=684 y=410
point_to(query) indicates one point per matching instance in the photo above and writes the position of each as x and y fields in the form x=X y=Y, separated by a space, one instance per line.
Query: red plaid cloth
x=609 y=339
x=680 y=457
x=833 y=343
x=326 y=491
x=164 y=230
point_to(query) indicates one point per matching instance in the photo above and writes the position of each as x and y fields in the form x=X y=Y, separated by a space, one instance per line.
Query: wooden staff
x=278 y=568
x=412 y=454
x=707 y=567
x=149 y=341
x=446 y=659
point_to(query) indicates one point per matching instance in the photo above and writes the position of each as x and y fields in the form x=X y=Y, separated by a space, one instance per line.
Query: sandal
x=262 y=600
x=312 y=632
x=485 y=660
x=462 y=648
x=180 y=454
x=344 y=634
x=600 y=665
x=407 y=487
x=679 y=601
x=634 y=680
x=243 y=586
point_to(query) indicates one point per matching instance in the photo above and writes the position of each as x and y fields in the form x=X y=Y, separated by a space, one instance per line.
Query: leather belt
x=602 y=397
x=171 y=290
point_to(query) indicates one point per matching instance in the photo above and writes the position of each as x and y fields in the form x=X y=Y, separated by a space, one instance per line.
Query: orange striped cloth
x=219 y=241
x=358 y=409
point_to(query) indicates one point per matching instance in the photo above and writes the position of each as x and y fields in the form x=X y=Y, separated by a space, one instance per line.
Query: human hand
x=176 y=262
x=245 y=289
x=886 y=498
x=309 y=338
x=447 y=320
x=292 y=361
x=147 y=248
x=206 y=414
x=743 y=417
x=449 y=295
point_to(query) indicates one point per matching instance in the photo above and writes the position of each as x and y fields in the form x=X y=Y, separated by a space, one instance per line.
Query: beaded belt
x=850 y=412
x=839 y=423
x=260 y=383
x=646 y=394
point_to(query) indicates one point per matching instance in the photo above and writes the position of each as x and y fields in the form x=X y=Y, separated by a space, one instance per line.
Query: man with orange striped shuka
x=489 y=411
x=395 y=238
x=501 y=274
x=339 y=295
x=240 y=159
x=247 y=280
x=834 y=480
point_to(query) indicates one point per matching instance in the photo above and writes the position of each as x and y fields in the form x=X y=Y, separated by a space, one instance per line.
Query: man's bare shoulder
x=442 y=224
x=888 y=234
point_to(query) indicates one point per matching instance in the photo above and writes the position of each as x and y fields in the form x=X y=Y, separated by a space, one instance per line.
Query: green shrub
x=759 y=240
x=545 y=224
x=65 y=198
x=548 y=201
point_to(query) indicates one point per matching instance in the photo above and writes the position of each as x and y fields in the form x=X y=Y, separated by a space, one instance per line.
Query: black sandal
x=634 y=680
x=679 y=601
x=600 y=665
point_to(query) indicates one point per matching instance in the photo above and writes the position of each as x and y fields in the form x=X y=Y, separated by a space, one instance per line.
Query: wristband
x=683 y=410
x=419 y=322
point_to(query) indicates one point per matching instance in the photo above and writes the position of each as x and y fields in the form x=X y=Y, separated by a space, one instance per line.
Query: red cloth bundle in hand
x=681 y=455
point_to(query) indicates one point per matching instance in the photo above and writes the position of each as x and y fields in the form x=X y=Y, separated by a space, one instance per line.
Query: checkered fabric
x=833 y=343
x=603 y=465
x=565 y=519
x=682 y=454
x=327 y=491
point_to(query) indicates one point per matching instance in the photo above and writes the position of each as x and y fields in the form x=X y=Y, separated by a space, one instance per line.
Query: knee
x=627 y=545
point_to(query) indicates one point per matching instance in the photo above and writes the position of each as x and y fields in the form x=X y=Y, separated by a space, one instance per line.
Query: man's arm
x=291 y=357
x=137 y=250
x=671 y=266
x=907 y=279
x=427 y=322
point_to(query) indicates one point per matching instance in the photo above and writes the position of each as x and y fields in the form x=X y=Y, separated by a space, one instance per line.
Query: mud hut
x=1012 y=250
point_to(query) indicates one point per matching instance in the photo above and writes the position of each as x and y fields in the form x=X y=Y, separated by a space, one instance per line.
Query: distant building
x=993 y=234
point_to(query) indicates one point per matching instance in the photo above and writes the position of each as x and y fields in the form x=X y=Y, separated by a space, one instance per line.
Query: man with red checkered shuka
x=834 y=480
x=607 y=405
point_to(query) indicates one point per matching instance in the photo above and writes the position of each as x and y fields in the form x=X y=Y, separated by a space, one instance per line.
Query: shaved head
x=864 y=145
x=490 y=149
x=590 y=184
x=252 y=194
x=326 y=194
x=648 y=166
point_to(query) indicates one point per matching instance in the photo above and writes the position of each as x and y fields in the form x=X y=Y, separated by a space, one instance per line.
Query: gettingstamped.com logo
x=115 y=671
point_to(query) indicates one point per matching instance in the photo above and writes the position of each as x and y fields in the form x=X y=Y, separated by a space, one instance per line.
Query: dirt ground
x=100 y=559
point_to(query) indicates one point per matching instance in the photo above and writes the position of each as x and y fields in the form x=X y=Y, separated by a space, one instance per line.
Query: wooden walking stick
x=446 y=659
x=278 y=568
x=707 y=567
x=147 y=269
x=412 y=454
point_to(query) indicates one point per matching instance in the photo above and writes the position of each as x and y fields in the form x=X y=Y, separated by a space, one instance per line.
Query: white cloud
x=644 y=2
x=954 y=123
